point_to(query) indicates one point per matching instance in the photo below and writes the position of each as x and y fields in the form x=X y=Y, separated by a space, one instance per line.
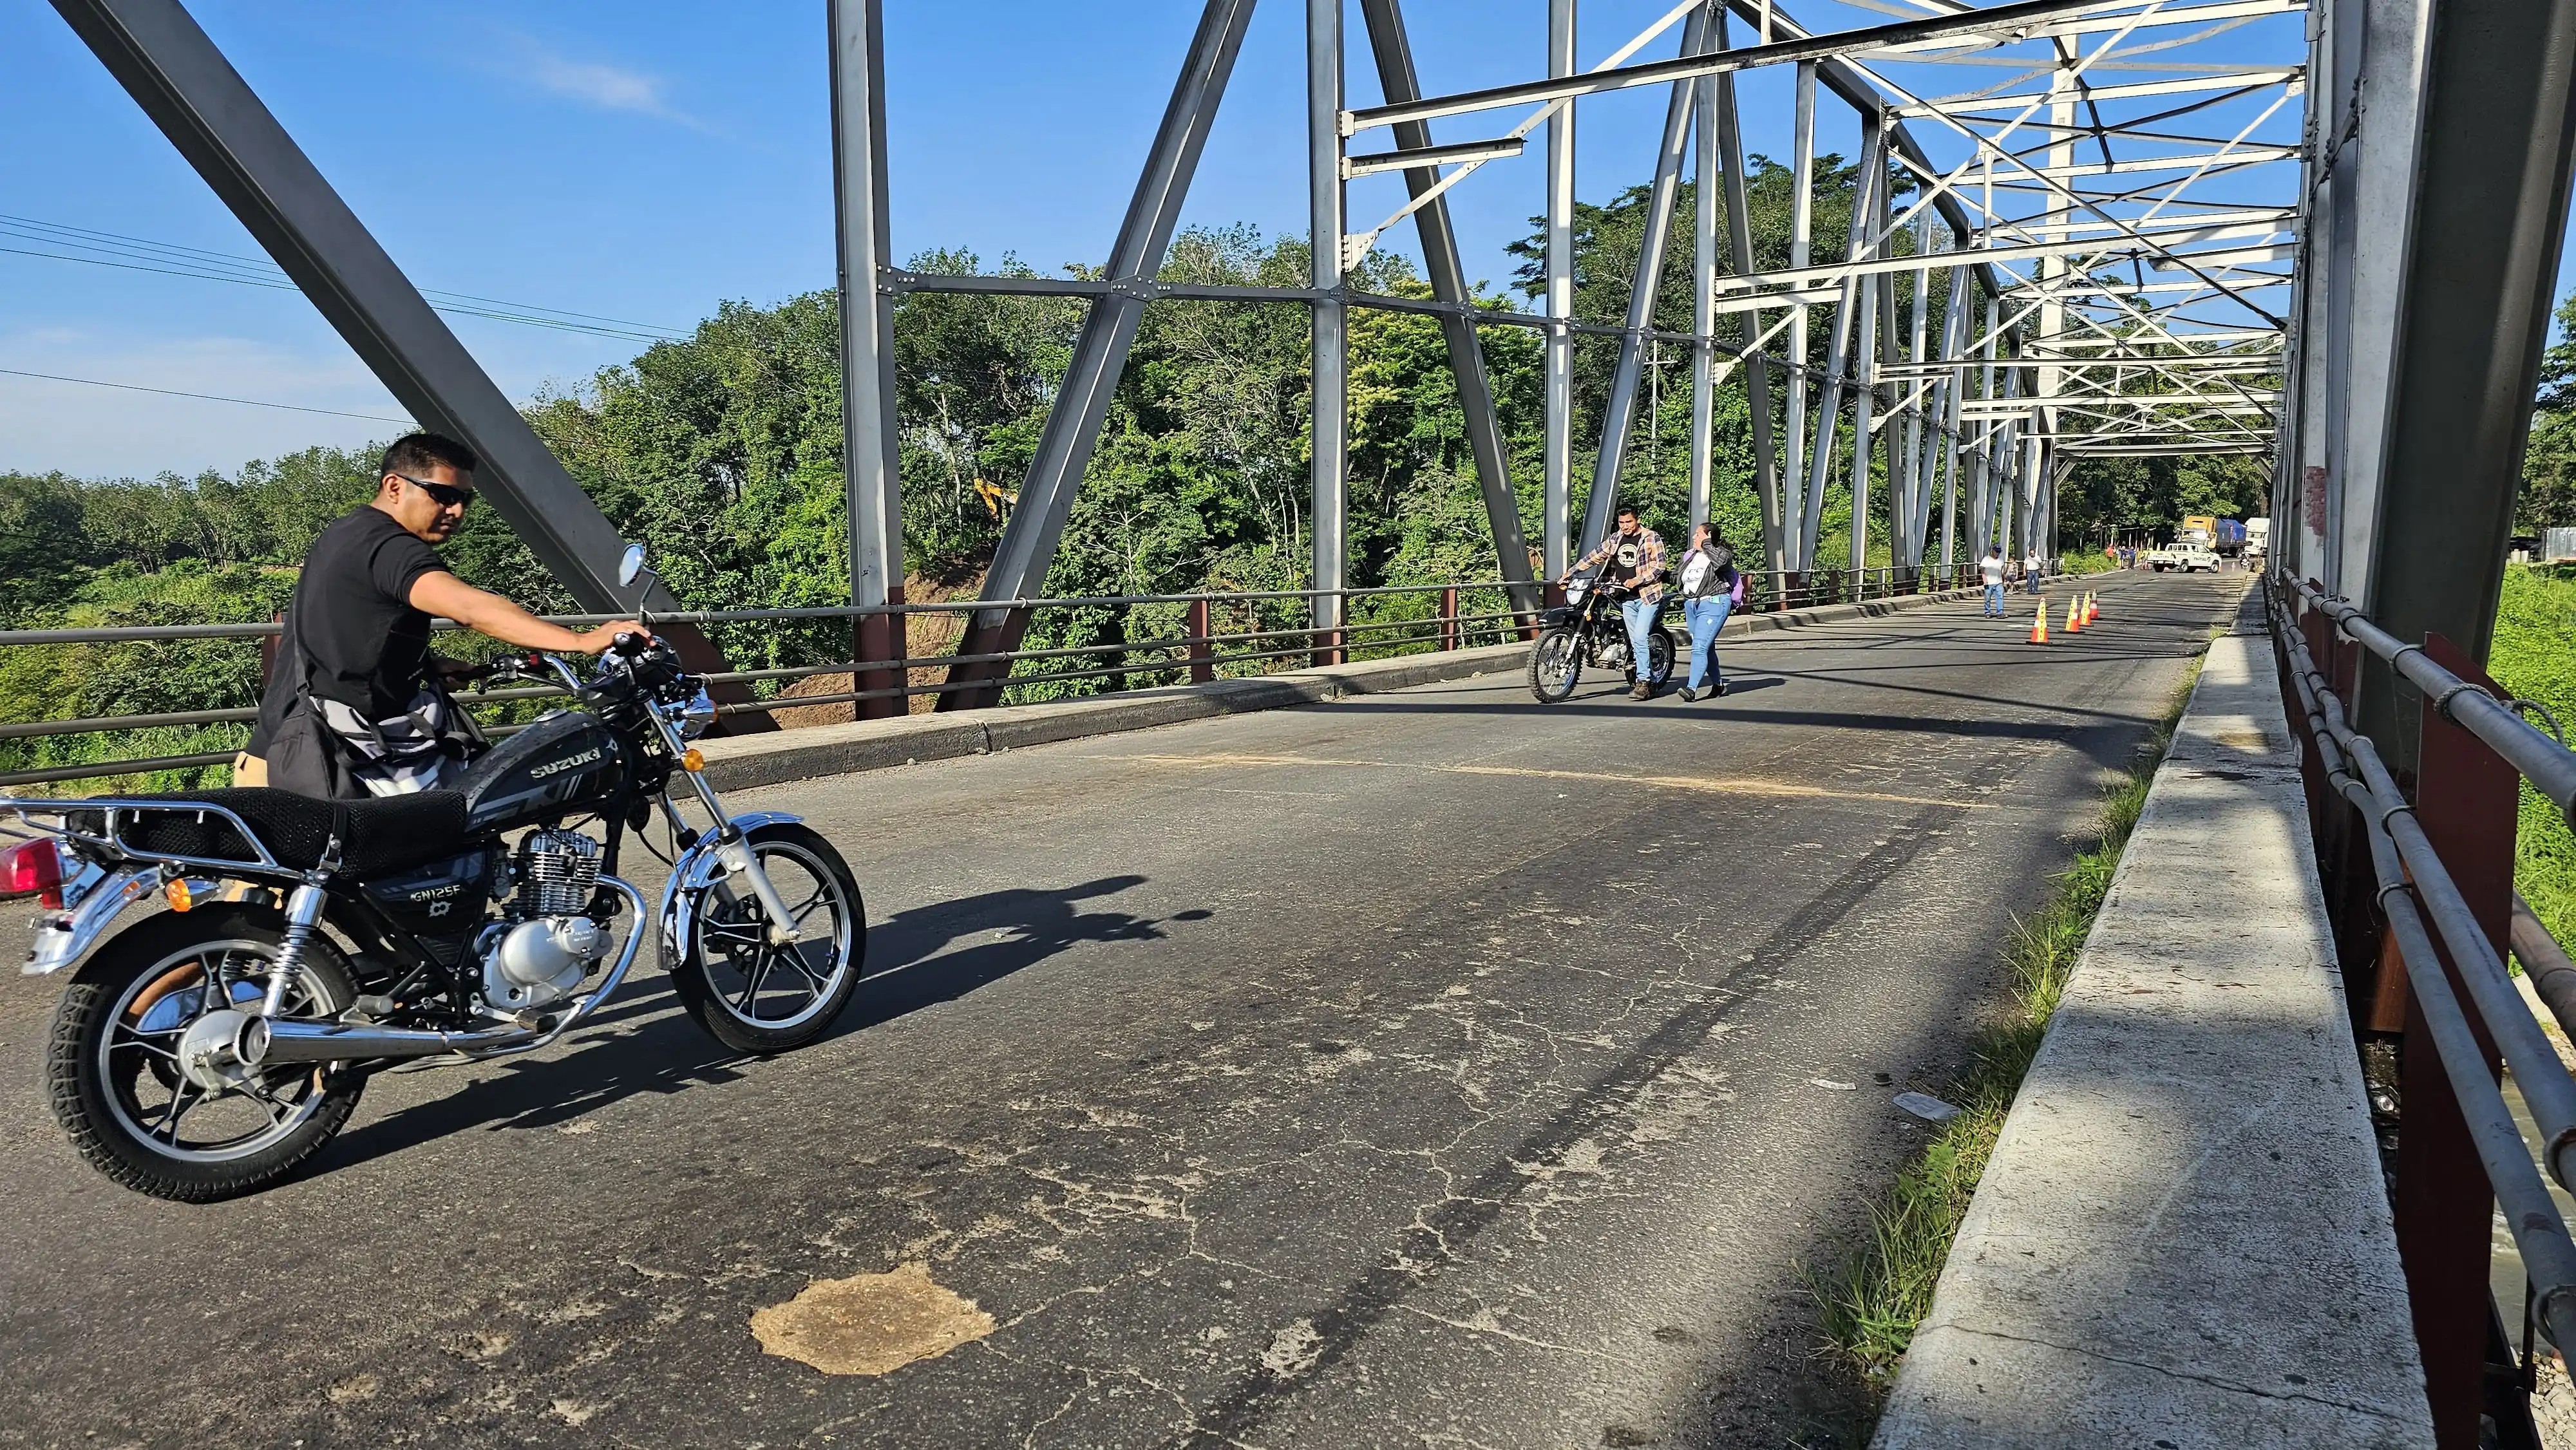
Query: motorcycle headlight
x=697 y=715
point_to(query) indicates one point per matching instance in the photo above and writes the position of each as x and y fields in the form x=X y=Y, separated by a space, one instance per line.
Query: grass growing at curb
x=1874 y=1300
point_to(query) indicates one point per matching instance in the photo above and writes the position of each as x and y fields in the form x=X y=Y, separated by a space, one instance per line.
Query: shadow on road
x=1004 y=931
x=661 y=1051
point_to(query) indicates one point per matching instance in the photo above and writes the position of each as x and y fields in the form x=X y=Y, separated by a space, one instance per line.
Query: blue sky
x=645 y=160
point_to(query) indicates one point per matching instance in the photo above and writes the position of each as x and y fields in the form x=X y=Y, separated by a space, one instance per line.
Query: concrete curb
x=2182 y=1238
x=741 y=762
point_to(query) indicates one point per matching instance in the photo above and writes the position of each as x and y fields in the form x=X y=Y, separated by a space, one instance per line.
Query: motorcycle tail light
x=33 y=868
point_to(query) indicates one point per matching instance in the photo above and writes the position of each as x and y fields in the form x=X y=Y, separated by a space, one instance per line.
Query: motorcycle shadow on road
x=651 y=1047
x=996 y=934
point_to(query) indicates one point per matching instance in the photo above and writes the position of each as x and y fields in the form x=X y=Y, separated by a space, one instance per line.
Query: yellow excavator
x=998 y=501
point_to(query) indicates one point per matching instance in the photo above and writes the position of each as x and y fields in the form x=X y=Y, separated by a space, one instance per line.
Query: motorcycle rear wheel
x=757 y=998
x=1556 y=664
x=111 y=1058
x=1659 y=657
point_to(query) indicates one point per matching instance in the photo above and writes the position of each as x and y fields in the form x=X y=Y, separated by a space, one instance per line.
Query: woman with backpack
x=1711 y=588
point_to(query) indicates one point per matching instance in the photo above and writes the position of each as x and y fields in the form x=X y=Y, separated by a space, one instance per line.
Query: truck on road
x=2228 y=538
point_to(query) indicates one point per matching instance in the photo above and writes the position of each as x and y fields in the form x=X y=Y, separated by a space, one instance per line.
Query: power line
x=141 y=254
x=205 y=397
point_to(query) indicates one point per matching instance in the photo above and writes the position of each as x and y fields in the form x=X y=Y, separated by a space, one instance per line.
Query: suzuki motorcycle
x=1588 y=628
x=207 y=1049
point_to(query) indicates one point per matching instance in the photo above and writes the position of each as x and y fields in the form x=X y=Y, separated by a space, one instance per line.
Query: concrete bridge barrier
x=2183 y=1239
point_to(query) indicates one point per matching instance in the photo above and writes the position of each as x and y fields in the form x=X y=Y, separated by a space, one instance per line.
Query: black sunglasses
x=445 y=495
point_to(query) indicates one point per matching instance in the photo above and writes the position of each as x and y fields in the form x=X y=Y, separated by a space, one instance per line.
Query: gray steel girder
x=174 y=71
x=1029 y=540
x=2489 y=212
x=1757 y=370
x=1620 y=411
x=1448 y=278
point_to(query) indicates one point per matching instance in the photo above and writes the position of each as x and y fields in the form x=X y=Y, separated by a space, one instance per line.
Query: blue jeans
x=1994 y=599
x=1706 y=617
x=1639 y=615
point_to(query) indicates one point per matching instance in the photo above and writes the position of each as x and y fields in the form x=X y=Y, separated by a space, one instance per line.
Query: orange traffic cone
x=2074 y=616
x=2039 y=624
x=2092 y=607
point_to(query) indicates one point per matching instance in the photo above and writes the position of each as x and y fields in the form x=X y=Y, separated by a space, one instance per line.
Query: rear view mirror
x=630 y=565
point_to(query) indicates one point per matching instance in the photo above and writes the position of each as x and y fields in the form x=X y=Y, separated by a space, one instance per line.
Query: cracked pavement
x=1425 y=1069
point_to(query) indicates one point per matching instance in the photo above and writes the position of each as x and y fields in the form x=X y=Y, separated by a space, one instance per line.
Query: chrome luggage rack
x=117 y=813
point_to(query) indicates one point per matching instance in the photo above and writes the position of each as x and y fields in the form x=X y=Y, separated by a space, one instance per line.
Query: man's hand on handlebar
x=593 y=641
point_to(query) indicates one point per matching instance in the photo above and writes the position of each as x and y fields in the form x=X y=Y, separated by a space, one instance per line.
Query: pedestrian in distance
x=2032 y=567
x=1636 y=556
x=1990 y=570
x=1711 y=586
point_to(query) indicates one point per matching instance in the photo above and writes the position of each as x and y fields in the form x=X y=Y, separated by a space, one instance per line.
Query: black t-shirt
x=352 y=613
x=1626 y=551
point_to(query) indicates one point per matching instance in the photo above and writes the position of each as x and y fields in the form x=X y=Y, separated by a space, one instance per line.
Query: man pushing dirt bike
x=1634 y=557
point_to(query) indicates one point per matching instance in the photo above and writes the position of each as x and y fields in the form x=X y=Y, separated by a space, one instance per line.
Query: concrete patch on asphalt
x=870 y=1324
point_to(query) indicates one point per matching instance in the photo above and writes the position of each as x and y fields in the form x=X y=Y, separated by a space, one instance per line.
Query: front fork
x=732 y=847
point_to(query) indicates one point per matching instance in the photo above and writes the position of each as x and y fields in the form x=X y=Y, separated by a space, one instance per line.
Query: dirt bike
x=1589 y=628
x=208 y=1049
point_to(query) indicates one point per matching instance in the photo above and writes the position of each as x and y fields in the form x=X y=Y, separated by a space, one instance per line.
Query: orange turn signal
x=691 y=761
x=177 y=894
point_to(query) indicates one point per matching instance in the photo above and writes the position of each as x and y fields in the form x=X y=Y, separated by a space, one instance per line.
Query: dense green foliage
x=722 y=451
x=2534 y=656
x=2548 y=498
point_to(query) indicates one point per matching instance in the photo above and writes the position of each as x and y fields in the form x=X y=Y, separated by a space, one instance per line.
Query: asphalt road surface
x=1432 y=1069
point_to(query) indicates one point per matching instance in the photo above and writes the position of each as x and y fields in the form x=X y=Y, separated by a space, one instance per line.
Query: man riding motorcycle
x=1639 y=554
x=356 y=703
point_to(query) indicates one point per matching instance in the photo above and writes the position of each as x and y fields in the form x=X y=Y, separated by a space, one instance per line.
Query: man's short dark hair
x=1625 y=511
x=421 y=452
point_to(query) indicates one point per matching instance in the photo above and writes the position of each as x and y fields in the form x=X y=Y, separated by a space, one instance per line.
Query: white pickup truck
x=2187 y=553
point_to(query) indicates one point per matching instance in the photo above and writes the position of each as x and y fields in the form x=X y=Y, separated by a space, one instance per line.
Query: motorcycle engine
x=546 y=944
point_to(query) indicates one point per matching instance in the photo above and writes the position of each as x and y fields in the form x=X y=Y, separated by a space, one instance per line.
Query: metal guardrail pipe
x=2544 y=961
x=2540 y=1233
x=1758 y=591
x=2546 y=1085
x=2548 y=765
x=1444 y=630
x=135 y=633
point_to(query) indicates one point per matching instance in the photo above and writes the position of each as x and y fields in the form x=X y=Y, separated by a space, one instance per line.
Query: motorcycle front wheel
x=112 y=1061
x=1556 y=663
x=754 y=996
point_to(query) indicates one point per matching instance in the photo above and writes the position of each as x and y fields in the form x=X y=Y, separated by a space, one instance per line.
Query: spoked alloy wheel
x=113 y=1065
x=1659 y=657
x=754 y=996
x=1556 y=664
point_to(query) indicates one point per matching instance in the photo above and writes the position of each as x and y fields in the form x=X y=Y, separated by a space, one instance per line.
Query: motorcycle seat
x=384 y=833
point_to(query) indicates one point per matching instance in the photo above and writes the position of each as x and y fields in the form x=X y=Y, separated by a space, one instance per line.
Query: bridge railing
x=1195 y=637
x=2422 y=895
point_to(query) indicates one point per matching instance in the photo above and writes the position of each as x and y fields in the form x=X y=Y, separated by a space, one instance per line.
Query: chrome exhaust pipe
x=296 y=1040
x=291 y=1040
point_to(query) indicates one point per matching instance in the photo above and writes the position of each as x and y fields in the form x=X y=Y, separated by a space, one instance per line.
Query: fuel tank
x=562 y=760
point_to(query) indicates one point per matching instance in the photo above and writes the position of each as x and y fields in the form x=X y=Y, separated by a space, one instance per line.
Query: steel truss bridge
x=2323 y=235
x=2110 y=217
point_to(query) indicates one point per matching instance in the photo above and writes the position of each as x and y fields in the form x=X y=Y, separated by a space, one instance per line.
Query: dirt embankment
x=928 y=637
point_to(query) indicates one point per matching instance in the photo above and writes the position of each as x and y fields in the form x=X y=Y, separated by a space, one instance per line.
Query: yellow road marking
x=1706 y=785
